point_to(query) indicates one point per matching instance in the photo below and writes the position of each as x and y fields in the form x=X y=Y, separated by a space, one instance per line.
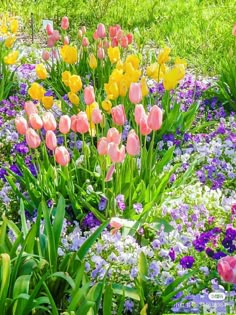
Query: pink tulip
x=135 y=93
x=65 y=23
x=62 y=156
x=144 y=128
x=51 y=140
x=101 y=53
x=45 y=55
x=102 y=146
x=106 y=44
x=112 y=31
x=56 y=35
x=139 y=112
x=234 y=30
x=21 y=125
x=130 y=38
x=115 y=223
x=110 y=173
x=51 y=41
x=66 y=40
x=101 y=30
x=116 y=155
x=49 y=122
x=32 y=138
x=95 y=35
x=82 y=123
x=155 y=118
x=89 y=96
x=64 y=124
x=85 y=42
x=36 y=121
x=113 y=135
x=114 y=42
x=227 y=269
x=83 y=29
x=49 y=29
x=133 y=144
x=124 y=42
x=119 y=34
x=73 y=123
x=96 y=116
x=30 y=108
x=118 y=115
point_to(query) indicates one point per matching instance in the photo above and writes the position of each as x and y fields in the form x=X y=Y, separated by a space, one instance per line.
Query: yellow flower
x=145 y=89
x=3 y=29
x=172 y=78
x=47 y=101
x=74 y=99
x=132 y=74
x=114 y=54
x=90 y=108
x=123 y=87
x=181 y=61
x=9 y=42
x=75 y=83
x=107 y=105
x=120 y=65
x=156 y=71
x=14 y=26
x=11 y=58
x=134 y=60
x=112 y=90
x=164 y=55
x=66 y=77
x=92 y=62
x=69 y=54
x=41 y=71
x=116 y=76
x=36 y=91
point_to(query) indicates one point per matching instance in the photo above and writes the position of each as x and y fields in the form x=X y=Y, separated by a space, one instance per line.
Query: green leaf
x=107 y=300
x=129 y=292
x=5 y=264
x=22 y=285
x=58 y=221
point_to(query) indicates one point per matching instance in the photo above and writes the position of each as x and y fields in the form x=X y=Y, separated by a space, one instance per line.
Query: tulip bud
x=89 y=96
x=155 y=118
x=96 y=116
x=62 y=156
x=51 y=140
x=118 y=115
x=133 y=144
x=49 y=122
x=135 y=93
x=65 y=23
x=64 y=124
x=36 y=121
x=45 y=55
x=85 y=42
x=101 y=53
x=101 y=30
x=21 y=125
x=102 y=146
x=49 y=29
x=32 y=138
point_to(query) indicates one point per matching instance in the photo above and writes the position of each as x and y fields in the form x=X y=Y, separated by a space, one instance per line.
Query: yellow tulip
x=14 y=25
x=9 y=42
x=75 y=83
x=172 y=77
x=11 y=58
x=164 y=55
x=116 y=76
x=156 y=71
x=134 y=60
x=132 y=74
x=123 y=87
x=107 y=105
x=66 y=77
x=41 y=71
x=112 y=90
x=180 y=61
x=47 y=101
x=36 y=91
x=114 y=54
x=145 y=89
x=92 y=62
x=90 y=108
x=120 y=65
x=69 y=54
x=74 y=99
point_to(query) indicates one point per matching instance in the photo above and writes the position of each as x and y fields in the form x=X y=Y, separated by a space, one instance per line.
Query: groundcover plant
x=117 y=177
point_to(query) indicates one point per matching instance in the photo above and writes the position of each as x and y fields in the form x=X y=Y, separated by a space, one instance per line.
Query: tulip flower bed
x=117 y=189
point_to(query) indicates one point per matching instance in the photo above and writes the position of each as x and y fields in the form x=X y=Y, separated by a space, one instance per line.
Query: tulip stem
x=131 y=177
x=151 y=162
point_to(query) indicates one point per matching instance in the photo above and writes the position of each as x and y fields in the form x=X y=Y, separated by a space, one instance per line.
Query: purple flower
x=129 y=305
x=187 y=262
x=102 y=203
x=172 y=254
x=90 y=221
x=138 y=207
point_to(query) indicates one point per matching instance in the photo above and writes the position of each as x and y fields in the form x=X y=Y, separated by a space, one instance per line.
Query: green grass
x=198 y=30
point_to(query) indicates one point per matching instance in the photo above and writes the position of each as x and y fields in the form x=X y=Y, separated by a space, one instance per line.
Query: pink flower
x=155 y=118
x=49 y=122
x=234 y=30
x=116 y=225
x=65 y=23
x=21 y=125
x=85 y=42
x=101 y=53
x=96 y=116
x=82 y=124
x=51 y=41
x=32 y=138
x=89 y=96
x=135 y=93
x=114 y=42
x=139 y=112
x=56 y=35
x=95 y=35
x=51 y=140
x=62 y=156
x=227 y=269
x=144 y=128
x=130 y=38
x=133 y=144
x=101 y=30
x=124 y=42
x=110 y=173
x=30 y=108
x=113 y=135
x=66 y=40
x=49 y=29
x=45 y=55
x=64 y=124
x=36 y=121
x=118 y=115
x=102 y=146
x=117 y=155
x=73 y=123
x=106 y=44
x=112 y=31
